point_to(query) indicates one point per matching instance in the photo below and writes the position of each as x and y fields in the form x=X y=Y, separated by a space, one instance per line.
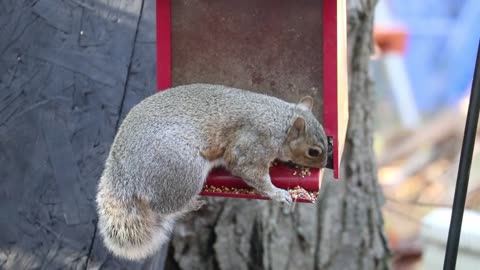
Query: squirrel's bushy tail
x=131 y=229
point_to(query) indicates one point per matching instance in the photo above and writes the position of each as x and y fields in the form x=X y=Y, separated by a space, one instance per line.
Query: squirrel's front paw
x=281 y=195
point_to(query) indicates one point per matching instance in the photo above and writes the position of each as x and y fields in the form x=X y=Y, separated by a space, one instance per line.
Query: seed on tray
x=296 y=193
x=300 y=193
x=302 y=171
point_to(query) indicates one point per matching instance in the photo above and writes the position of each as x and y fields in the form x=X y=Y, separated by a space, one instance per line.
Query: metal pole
x=463 y=171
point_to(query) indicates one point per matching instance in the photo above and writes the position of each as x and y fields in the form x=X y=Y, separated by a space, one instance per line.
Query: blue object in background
x=441 y=48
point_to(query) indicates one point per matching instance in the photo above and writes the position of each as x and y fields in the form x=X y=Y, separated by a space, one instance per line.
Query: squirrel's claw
x=282 y=196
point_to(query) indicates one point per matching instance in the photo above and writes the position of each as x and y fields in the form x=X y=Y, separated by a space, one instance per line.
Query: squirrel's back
x=199 y=104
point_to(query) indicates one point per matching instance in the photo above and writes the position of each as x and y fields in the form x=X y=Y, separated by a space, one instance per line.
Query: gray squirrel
x=169 y=142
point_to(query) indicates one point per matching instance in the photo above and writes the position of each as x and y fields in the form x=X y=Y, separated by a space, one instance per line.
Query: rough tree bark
x=68 y=71
x=343 y=230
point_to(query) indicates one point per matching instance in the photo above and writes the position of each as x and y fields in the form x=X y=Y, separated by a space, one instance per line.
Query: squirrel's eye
x=313 y=152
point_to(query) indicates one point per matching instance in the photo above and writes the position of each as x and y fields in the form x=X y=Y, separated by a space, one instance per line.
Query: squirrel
x=168 y=143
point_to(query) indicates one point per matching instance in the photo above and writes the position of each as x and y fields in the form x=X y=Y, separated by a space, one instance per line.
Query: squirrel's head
x=306 y=142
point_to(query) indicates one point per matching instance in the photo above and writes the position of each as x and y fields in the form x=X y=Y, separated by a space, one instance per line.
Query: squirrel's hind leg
x=195 y=204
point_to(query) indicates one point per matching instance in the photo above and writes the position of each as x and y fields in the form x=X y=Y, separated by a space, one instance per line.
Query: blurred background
x=423 y=66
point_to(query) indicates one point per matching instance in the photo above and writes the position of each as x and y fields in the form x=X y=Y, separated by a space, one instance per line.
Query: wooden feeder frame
x=335 y=111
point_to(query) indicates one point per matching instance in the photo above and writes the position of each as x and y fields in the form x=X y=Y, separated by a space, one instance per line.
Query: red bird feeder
x=224 y=42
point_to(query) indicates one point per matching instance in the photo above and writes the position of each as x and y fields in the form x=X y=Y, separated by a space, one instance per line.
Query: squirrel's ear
x=306 y=103
x=297 y=128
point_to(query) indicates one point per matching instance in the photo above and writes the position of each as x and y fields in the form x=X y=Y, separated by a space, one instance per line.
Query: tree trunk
x=343 y=230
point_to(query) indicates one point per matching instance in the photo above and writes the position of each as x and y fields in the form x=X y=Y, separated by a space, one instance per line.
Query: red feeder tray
x=221 y=183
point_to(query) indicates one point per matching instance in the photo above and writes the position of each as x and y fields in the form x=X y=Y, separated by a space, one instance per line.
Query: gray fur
x=157 y=155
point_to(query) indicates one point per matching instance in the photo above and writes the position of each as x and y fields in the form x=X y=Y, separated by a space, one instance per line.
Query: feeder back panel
x=272 y=47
